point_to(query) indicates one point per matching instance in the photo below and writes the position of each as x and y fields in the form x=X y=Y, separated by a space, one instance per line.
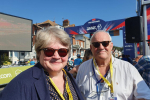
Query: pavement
x=1 y=89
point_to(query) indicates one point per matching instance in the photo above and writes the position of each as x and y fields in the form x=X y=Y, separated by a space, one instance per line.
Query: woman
x=47 y=80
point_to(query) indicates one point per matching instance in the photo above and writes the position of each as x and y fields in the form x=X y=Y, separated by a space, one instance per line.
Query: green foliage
x=117 y=48
x=5 y=60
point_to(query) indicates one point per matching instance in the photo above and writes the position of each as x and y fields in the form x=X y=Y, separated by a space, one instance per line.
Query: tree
x=5 y=60
x=118 y=48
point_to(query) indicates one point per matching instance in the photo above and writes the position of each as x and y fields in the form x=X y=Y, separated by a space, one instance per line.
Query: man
x=137 y=59
x=107 y=78
x=143 y=66
x=71 y=62
x=77 y=61
x=32 y=62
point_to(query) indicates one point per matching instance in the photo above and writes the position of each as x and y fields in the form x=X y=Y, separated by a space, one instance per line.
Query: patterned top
x=53 y=92
x=143 y=66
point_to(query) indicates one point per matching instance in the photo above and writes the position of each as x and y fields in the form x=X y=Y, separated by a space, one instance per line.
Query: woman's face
x=54 y=63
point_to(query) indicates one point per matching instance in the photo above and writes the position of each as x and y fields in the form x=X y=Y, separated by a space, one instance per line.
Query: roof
x=47 y=22
x=72 y=25
x=37 y=26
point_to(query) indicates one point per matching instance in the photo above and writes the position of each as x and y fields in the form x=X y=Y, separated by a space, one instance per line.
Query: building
x=79 y=46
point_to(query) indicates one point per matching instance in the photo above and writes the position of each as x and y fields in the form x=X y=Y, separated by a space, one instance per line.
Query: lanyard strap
x=111 y=73
x=98 y=81
x=67 y=88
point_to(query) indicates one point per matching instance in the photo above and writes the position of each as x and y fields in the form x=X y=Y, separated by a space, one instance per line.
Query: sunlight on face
x=54 y=63
x=101 y=52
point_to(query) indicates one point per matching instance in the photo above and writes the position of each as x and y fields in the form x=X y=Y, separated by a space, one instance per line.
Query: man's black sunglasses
x=50 y=52
x=104 y=43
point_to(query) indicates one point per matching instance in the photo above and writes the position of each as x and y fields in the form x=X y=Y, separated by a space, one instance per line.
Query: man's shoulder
x=86 y=65
x=88 y=62
x=85 y=69
x=121 y=63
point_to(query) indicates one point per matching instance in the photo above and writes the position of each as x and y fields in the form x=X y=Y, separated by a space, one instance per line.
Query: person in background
x=87 y=55
x=137 y=59
x=129 y=59
x=47 y=80
x=77 y=61
x=34 y=59
x=28 y=62
x=71 y=62
x=32 y=62
x=124 y=57
x=120 y=57
x=143 y=66
x=108 y=78
x=16 y=62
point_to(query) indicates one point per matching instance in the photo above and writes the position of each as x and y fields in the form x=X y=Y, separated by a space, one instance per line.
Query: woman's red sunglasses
x=50 y=52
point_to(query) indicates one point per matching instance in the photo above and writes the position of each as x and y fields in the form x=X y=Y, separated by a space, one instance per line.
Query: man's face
x=101 y=52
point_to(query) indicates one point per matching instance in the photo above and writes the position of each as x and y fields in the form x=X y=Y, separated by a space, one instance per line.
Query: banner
x=7 y=74
x=148 y=21
x=94 y=25
x=128 y=48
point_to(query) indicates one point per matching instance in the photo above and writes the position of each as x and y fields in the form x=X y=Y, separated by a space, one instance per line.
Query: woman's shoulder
x=27 y=76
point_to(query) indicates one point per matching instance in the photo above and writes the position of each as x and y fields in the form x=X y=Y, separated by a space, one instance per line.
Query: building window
x=82 y=53
x=82 y=44
x=11 y=54
x=78 y=51
x=16 y=54
x=28 y=53
x=35 y=32
x=22 y=53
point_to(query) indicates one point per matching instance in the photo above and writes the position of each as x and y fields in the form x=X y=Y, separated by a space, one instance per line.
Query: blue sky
x=77 y=12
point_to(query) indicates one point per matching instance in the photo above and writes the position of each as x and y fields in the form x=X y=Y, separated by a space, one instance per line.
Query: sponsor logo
x=18 y=72
x=91 y=28
x=5 y=75
x=128 y=45
x=98 y=27
x=94 y=21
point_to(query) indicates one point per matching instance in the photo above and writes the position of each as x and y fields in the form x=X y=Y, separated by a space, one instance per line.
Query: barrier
x=7 y=74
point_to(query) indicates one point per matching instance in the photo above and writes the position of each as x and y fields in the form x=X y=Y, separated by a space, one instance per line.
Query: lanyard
x=111 y=73
x=98 y=81
x=67 y=88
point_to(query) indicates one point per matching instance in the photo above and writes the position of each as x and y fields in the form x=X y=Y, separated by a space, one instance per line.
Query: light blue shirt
x=77 y=61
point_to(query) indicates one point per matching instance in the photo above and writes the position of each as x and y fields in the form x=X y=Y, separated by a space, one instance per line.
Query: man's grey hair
x=98 y=32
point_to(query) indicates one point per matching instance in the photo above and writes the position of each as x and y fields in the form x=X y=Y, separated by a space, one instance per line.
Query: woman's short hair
x=50 y=35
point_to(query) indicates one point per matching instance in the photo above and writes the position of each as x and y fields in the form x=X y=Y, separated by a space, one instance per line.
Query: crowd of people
x=29 y=62
x=98 y=76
